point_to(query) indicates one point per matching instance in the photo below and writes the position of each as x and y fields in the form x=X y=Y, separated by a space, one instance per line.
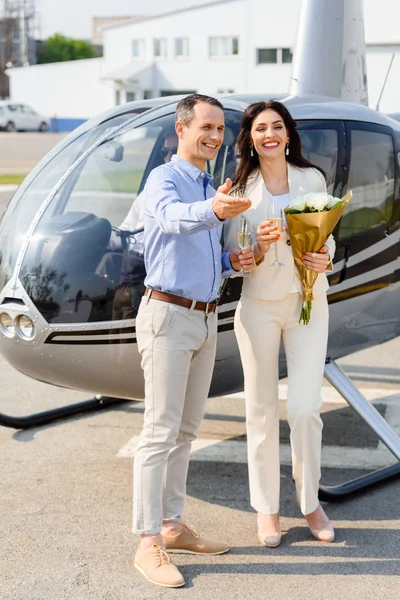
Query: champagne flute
x=275 y=215
x=244 y=235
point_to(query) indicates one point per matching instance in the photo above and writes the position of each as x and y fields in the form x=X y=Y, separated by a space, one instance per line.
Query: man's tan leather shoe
x=157 y=567
x=190 y=542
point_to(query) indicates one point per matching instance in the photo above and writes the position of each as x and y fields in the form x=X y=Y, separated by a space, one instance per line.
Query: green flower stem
x=305 y=314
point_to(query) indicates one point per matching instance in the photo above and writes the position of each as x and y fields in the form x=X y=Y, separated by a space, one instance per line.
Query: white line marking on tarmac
x=5 y=187
x=234 y=451
x=331 y=396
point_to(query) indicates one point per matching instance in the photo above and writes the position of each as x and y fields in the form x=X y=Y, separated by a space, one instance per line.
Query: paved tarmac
x=19 y=152
x=66 y=503
x=65 y=492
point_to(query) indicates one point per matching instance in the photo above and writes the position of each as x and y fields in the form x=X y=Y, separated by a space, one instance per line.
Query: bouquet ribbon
x=308 y=232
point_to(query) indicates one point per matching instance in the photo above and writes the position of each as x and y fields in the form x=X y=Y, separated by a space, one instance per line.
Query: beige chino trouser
x=259 y=326
x=177 y=346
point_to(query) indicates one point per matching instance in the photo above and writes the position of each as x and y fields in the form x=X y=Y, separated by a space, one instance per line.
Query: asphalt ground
x=19 y=152
x=65 y=501
x=65 y=516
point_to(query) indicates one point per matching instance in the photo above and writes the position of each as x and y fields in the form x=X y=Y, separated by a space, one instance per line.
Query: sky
x=74 y=17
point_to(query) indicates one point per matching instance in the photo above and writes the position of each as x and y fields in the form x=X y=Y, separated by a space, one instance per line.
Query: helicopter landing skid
x=48 y=416
x=376 y=422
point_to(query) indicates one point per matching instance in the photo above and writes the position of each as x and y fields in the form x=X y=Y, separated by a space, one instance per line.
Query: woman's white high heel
x=267 y=539
x=272 y=541
x=325 y=533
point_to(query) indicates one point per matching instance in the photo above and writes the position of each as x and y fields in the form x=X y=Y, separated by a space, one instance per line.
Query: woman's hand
x=267 y=234
x=317 y=261
x=242 y=259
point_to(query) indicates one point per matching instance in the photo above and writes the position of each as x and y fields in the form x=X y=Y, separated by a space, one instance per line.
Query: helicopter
x=60 y=270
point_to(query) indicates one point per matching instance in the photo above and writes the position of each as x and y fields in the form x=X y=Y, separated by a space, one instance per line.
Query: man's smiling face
x=201 y=139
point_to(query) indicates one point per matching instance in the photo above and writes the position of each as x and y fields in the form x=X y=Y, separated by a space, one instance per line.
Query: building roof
x=171 y=13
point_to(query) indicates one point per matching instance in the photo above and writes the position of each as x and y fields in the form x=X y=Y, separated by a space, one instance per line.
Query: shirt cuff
x=206 y=214
x=227 y=269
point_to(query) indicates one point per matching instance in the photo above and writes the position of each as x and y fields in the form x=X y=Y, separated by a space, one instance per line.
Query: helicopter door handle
x=342 y=273
x=77 y=300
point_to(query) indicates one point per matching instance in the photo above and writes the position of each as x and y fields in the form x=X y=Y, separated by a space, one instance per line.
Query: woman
x=272 y=169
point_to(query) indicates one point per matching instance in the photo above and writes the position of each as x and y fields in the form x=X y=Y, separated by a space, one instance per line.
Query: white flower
x=316 y=201
x=332 y=201
x=298 y=203
x=313 y=202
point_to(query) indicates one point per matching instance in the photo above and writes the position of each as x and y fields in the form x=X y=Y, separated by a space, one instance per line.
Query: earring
x=251 y=151
x=287 y=149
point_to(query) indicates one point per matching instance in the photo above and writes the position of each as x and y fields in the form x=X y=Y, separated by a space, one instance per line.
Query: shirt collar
x=194 y=172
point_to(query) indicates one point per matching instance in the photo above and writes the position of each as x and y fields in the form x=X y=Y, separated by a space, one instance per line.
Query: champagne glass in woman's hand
x=276 y=217
x=244 y=235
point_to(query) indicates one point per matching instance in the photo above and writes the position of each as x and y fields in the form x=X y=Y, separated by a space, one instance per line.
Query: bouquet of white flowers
x=311 y=219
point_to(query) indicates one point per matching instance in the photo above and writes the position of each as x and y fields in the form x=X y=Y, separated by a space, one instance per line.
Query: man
x=176 y=330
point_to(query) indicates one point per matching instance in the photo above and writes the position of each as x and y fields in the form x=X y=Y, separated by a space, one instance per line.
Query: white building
x=239 y=46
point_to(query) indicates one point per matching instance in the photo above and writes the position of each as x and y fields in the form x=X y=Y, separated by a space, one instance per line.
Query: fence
x=60 y=124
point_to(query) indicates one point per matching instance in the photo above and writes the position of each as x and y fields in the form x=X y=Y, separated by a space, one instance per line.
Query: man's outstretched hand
x=227 y=207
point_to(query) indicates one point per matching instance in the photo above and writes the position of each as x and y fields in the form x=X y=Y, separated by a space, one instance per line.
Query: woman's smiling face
x=269 y=134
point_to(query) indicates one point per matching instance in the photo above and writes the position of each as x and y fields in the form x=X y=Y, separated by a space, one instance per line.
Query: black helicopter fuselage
x=67 y=311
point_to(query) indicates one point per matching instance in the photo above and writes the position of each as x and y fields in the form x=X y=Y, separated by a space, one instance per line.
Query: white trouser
x=178 y=346
x=259 y=325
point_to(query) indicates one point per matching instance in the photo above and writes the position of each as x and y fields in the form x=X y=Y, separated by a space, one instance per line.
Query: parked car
x=20 y=117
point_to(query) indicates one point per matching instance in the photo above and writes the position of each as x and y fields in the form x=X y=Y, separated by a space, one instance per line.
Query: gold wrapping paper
x=308 y=232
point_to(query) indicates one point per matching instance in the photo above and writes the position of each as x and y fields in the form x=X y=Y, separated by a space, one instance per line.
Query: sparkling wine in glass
x=275 y=215
x=244 y=235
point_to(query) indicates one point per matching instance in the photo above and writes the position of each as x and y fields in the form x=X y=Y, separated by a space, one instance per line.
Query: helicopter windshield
x=84 y=261
x=27 y=200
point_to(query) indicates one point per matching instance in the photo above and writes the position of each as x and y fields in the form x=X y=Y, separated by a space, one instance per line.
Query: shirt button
x=288 y=242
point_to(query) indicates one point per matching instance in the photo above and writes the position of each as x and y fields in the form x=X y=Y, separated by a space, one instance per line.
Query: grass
x=6 y=179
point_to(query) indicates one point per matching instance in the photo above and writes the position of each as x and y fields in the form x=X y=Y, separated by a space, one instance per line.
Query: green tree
x=59 y=48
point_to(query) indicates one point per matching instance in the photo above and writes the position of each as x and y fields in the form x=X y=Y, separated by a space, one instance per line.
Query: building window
x=130 y=96
x=287 y=55
x=117 y=97
x=267 y=55
x=223 y=46
x=274 y=55
x=176 y=92
x=160 y=47
x=138 y=48
x=182 y=47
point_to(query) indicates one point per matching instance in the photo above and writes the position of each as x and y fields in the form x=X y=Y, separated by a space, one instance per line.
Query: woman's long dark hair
x=249 y=164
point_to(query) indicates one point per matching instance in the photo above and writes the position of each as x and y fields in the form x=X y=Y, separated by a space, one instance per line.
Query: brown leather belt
x=207 y=307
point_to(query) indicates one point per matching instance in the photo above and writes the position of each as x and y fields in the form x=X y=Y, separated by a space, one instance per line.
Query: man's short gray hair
x=185 y=108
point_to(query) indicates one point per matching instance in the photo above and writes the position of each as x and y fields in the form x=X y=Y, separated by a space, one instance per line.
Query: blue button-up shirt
x=182 y=235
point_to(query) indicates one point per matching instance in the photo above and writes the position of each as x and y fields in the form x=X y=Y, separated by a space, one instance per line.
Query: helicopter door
x=364 y=228
x=323 y=144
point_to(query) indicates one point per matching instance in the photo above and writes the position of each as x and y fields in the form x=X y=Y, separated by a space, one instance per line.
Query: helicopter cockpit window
x=84 y=261
x=372 y=181
x=320 y=147
x=24 y=206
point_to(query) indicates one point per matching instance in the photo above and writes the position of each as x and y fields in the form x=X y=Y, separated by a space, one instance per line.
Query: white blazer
x=274 y=283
